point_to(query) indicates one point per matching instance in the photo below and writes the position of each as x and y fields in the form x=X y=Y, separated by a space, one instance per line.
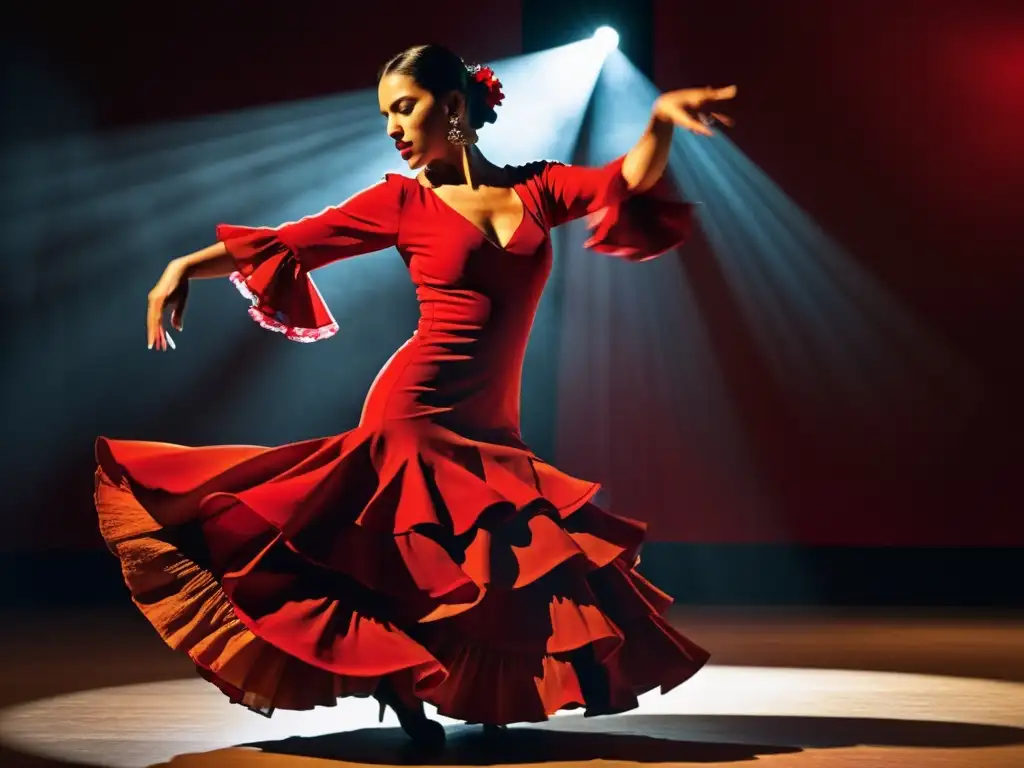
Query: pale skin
x=460 y=175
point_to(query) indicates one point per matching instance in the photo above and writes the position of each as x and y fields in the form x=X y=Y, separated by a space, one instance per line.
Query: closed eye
x=403 y=105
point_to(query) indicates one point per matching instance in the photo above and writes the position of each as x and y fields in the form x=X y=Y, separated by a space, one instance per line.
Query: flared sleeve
x=633 y=226
x=273 y=263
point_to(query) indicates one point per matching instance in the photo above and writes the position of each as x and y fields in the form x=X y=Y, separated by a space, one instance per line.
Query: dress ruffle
x=638 y=226
x=297 y=574
x=284 y=297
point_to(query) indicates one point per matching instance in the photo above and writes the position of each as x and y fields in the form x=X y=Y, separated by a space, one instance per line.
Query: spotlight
x=606 y=38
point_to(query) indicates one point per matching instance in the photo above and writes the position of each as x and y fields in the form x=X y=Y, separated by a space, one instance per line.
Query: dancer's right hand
x=170 y=291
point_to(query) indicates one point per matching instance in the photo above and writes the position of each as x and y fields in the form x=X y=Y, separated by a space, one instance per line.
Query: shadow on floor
x=643 y=739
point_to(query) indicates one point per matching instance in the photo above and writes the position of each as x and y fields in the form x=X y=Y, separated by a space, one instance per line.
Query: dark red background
x=897 y=126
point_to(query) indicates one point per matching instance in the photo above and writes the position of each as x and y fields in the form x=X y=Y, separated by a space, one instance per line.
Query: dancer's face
x=417 y=121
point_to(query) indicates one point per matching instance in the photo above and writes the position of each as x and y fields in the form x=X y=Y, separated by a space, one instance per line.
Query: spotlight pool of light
x=607 y=38
x=918 y=719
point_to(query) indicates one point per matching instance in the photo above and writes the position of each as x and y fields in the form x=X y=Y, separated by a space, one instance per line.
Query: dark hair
x=440 y=71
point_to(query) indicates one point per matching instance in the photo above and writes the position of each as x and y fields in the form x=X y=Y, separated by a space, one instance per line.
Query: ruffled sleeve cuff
x=283 y=295
x=638 y=226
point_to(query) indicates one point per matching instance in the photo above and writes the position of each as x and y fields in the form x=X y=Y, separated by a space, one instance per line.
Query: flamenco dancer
x=427 y=555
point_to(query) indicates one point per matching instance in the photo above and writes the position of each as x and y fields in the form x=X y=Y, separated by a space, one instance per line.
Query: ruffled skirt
x=471 y=575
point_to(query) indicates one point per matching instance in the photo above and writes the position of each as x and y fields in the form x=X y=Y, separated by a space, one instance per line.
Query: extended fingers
x=710 y=118
x=719 y=94
x=153 y=310
x=683 y=119
x=178 y=308
x=156 y=335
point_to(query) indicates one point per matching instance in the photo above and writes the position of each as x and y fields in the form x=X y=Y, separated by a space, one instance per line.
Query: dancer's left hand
x=687 y=108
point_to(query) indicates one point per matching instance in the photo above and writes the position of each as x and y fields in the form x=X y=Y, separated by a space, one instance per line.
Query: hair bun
x=484 y=94
x=486 y=77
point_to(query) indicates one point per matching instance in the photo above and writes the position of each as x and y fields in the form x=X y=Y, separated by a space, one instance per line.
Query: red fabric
x=428 y=543
x=274 y=262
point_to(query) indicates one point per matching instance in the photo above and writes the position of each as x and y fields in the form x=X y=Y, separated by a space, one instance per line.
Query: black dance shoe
x=428 y=735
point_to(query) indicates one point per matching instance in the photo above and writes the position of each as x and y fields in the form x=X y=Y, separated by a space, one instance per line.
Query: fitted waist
x=450 y=378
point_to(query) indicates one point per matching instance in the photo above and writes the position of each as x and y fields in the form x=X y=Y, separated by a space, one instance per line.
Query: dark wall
x=122 y=64
x=897 y=126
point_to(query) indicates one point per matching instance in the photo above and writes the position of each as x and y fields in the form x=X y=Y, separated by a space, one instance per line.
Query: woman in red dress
x=427 y=555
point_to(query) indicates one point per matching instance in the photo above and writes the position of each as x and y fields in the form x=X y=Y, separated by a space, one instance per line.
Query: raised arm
x=634 y=211
x=646 y=161
x=271 y=265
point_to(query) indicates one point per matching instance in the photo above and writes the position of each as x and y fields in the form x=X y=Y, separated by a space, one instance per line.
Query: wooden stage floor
x=95 y=686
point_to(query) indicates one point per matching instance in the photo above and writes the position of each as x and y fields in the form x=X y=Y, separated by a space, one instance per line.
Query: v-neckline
x=515 y=232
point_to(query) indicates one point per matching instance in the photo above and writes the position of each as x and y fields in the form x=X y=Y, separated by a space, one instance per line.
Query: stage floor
x=95 y=686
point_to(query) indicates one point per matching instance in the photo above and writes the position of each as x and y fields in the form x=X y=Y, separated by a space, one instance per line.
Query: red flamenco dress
x=428 y=545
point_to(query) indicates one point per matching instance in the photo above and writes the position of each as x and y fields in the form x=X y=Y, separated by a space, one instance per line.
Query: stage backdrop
x=893 y=126
x=897 y=128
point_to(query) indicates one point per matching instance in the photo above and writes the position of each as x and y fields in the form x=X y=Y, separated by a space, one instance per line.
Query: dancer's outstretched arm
x=646 y=161
x=271 y=264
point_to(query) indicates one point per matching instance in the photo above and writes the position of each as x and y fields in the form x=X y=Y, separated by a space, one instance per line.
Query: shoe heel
x=427 y=734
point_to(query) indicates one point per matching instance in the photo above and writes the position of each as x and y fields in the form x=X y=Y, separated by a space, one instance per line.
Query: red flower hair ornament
x=486 y=76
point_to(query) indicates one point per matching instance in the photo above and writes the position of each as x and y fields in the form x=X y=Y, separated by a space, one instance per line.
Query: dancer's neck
x=463 y=165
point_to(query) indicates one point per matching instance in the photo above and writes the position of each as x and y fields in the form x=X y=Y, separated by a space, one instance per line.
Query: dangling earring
x=456 y=135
